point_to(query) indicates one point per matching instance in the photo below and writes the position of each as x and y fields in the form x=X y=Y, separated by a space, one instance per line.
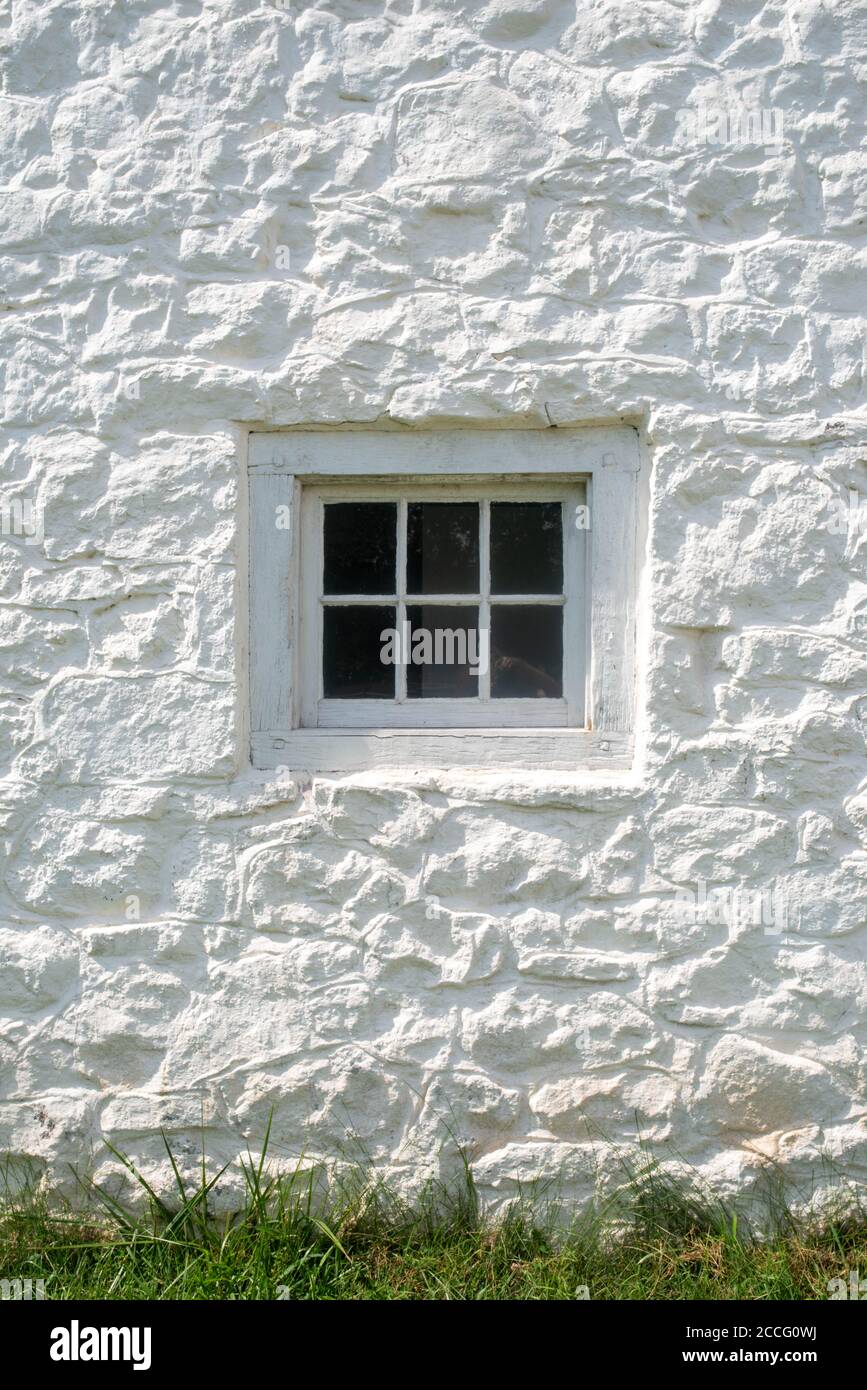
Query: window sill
x=489 y=750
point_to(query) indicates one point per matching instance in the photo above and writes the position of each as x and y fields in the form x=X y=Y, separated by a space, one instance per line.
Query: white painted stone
x=432 y=214
x=759 y=1090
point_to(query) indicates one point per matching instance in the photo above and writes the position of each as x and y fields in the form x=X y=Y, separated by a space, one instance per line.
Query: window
x=443 y=598
x=430 y=605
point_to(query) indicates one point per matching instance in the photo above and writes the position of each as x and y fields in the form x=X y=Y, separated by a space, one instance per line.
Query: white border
x=609 y=458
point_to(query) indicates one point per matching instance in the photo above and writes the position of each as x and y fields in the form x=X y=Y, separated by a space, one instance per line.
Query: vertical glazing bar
x=400 y=589
x=574 y=581
x=485 y=594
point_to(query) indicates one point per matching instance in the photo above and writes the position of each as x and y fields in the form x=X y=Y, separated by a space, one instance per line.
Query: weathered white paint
x=229 y=216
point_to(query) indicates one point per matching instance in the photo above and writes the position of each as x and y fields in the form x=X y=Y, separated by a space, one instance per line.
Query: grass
x=661 y=1241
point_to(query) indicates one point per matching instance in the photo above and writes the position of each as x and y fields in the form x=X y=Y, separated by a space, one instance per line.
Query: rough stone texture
x=222 y=214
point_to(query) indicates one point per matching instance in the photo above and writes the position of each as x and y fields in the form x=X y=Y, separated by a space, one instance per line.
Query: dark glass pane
x=352 y=652
x=445 y=640
x=442 y=548
x=526 y=548
x=360 y=547
x=526 y=651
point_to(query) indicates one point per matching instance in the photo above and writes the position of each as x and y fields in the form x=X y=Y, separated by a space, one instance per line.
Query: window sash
x=475 y=711
x=281 y=461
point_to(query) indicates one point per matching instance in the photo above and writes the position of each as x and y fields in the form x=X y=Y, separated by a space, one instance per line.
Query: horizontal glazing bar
x=427 y=599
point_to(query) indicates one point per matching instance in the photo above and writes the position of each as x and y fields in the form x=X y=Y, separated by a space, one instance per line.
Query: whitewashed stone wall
x=218 y=215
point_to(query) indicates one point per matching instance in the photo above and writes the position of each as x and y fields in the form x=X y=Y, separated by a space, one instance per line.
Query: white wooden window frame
x=290 y=474
x=477 y=712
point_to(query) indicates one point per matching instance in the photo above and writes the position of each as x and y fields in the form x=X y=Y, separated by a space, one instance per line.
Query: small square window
x=443 y=599
x=418 y=611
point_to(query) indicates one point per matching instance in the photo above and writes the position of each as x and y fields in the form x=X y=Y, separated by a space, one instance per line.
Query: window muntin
x=492 y=571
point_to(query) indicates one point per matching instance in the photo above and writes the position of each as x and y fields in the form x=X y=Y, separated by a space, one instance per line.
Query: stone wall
x=218 y=216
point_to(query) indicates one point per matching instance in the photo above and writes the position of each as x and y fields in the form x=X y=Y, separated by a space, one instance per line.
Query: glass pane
x=444 y=650
x=442 y=548
x=526 y=651
x=360 y=547
x=355 y=663
x=526 y=548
